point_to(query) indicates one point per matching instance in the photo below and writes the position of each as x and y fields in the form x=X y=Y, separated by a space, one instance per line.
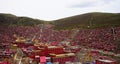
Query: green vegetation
x=88 y=20
x=11 y=20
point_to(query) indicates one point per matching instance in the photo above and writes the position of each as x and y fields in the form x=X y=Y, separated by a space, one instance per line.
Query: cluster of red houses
x=37 y=50
x=100 y=38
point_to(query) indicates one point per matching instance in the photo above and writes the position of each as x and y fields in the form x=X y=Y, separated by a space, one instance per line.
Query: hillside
x=12 y=20
x=89 y=20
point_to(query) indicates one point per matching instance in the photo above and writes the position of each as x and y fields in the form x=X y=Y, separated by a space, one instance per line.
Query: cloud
x=91 y=3
x=83 y=5
x=107 y=1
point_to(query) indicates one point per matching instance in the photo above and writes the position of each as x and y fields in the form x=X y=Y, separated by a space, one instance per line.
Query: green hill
x=89 y=20
x=12 y=20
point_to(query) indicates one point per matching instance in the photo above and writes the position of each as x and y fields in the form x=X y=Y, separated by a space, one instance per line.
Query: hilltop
x=12 y=20
x=89 y=20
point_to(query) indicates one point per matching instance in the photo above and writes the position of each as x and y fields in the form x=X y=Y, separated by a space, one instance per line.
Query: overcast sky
x=56 y=9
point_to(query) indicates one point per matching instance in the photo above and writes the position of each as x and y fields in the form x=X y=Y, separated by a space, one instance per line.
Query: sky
x=57 y=9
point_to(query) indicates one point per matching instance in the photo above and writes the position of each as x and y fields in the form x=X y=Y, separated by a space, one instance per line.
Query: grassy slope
x=11 y=20
x=96 y=19
x=82 y=21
